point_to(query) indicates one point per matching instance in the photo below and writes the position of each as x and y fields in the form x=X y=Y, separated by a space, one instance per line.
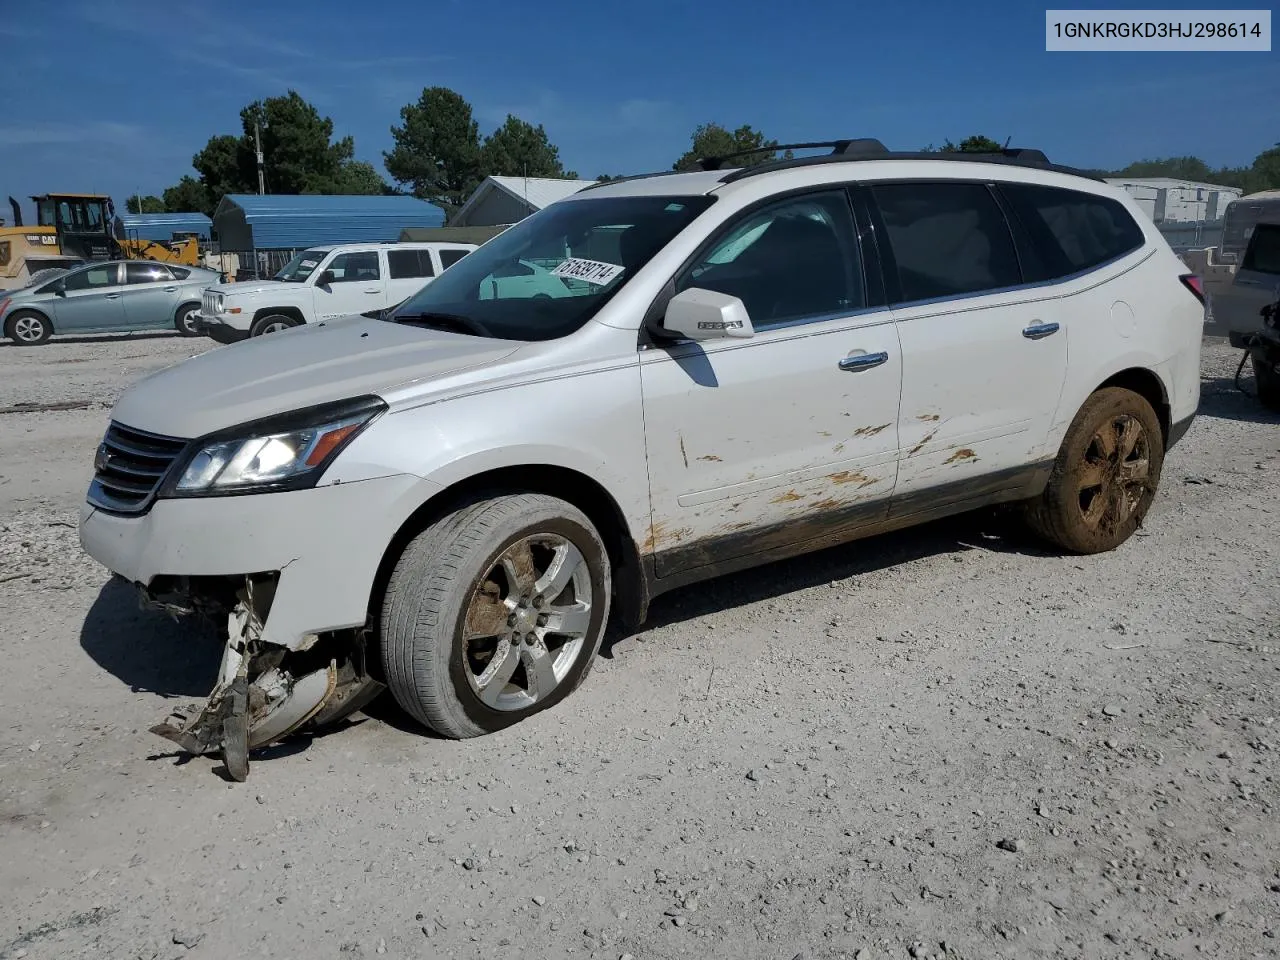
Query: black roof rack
x=1015 y=156
x=865 y=146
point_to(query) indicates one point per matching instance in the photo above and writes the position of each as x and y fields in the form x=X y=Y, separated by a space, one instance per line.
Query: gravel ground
x=944 y=742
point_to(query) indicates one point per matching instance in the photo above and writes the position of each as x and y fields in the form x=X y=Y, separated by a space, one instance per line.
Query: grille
x=129 y=468
x=211 y=303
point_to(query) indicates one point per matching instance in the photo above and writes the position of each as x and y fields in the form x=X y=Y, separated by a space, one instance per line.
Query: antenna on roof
x=1006 y=142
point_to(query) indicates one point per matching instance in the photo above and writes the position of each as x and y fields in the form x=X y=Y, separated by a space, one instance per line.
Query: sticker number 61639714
x=590 y=271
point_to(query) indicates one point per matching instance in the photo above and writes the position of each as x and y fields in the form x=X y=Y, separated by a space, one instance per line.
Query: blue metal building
x=248 y=222
x=162 y=226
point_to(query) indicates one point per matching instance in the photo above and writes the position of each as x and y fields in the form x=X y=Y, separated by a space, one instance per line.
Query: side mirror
x=60 y=290
x=325 y=278
x=706 y=315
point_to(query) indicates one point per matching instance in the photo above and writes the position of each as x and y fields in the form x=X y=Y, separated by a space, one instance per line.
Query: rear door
x=149 y=296
x=409 y=269
x=983 y=360
x=358 y=285
x=91 y=301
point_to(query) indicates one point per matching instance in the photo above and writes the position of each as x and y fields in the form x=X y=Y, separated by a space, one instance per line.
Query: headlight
x=279 y=453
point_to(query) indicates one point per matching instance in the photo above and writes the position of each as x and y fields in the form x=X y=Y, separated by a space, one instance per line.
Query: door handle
x=112 y=296
x=1038 y=331
x=170 y=289
x=863 y=361
x=372 y=290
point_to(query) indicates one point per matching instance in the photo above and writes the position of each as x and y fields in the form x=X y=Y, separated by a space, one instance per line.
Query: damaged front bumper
x=292 y=586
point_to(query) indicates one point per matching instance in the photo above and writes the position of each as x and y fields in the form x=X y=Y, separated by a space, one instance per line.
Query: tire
x=1267 y=379
x=452 y=575
x=184 y=318
x=1082 y=516
x=272 y=323
x=28 y=328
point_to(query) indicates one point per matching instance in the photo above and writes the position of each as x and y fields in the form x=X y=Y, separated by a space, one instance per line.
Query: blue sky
x=115 y=96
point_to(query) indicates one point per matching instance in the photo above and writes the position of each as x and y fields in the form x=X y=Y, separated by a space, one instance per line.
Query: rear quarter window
x=1071 y=231
x=1263 y=253
x=409 y=263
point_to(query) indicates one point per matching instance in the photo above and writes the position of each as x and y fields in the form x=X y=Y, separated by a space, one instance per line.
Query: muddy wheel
x=27 y=328
x=1267 y=379
x=495 y=613
x=1105 y=475
x=272 y=323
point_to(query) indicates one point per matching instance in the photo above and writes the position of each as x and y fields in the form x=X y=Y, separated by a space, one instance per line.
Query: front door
x=984 y=358
x=788 y=437
x=91 y=301
x=357 y=285
x=149 y=295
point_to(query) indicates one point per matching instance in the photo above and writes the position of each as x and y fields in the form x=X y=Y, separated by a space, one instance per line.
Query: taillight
x=1194 y=284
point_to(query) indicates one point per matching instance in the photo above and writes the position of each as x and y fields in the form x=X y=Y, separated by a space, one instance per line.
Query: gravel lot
x=940 y=742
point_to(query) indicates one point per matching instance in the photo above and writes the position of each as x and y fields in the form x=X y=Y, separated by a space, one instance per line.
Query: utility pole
x=257 y=140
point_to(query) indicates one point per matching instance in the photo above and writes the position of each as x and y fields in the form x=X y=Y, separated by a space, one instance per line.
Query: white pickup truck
x=336 y=280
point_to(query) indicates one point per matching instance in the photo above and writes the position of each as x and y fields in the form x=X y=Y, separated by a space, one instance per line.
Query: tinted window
x=789 y=261
x=145 y=273
x=1263 y=254
x=947 y=239
x=409 y=263
x=355 y=267
x=104 y=276
x=180 y=273
x=449 y=257
x=1071 y=231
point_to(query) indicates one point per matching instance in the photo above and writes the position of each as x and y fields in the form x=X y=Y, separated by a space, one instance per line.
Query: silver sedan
x=106 y=297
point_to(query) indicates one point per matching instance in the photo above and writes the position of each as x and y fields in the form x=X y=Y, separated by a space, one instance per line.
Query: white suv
x=754 y=363
x=323 y=283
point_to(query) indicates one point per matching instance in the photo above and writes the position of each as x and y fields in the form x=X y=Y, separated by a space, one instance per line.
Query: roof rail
x=1015 y=157
x=866 y=146
x=635 y=176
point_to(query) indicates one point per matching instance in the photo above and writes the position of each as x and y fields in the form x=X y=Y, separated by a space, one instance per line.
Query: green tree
x=359 y=177
x=519 y=149
x=147 y=204
x=713 y=140
x=974 y=144
x=188 y=195
x=607 y=177
x=1265 y=173
x=437 y=148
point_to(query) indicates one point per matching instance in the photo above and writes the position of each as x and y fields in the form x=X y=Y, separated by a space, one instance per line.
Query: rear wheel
x=1267 y=378
x=272 y=323
x=27 y=328
x=495 y=613
x=1105 y=476
x=185 y=319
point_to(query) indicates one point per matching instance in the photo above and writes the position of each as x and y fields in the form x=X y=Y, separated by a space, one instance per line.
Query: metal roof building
x=502 y=201
x=162 y=226
x=278 y=222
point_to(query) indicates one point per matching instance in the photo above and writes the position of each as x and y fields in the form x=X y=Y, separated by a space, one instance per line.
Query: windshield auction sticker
x=591 y=271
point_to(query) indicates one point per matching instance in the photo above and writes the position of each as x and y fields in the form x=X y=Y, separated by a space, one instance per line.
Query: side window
x=793 y=260
x=449 y=257
x=1072 y=231
x=409 y=263
x=947 y=239
x=180 y=273
x=94 y=277
x=135 y=273
x=355 y=267
x=1263 y=254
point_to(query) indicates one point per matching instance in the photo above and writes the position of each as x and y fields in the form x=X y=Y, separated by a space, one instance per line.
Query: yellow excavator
x=74 y=227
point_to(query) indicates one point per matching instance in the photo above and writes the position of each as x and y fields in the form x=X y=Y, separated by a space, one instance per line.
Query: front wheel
x=1105 y=475
x=273 y=323
x=26 y=327
x=495 y=613
x=185 y=319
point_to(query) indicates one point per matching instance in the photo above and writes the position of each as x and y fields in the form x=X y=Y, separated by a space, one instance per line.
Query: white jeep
x=453 y=501
x=323 y=283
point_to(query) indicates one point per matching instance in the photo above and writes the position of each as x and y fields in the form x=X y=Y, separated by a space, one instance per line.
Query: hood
x=251 y=287
x=307 y=365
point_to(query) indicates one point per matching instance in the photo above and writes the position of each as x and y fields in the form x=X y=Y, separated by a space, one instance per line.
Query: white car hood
x=249 y=288
x=307 y=365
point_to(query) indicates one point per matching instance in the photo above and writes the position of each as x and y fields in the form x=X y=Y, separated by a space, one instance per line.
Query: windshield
x=301 y=266
x=550 y=273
